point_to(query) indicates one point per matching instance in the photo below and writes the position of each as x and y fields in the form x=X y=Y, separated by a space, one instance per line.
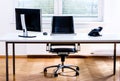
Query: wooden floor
x=91 y=69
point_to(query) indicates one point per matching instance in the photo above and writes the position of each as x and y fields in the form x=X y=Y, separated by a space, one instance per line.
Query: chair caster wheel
x=77 y=74
x=45 y=70
x=77 y=68
x=55 y=75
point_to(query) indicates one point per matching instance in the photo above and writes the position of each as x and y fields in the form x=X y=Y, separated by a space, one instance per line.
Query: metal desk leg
x=7 y=68
x=114 y=63
x=13 y=50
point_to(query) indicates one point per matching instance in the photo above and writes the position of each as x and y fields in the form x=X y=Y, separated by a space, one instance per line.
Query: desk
x=79 y=38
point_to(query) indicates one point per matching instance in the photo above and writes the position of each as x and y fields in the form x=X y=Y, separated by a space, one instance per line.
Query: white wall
x=112 y=16
x=110 y=24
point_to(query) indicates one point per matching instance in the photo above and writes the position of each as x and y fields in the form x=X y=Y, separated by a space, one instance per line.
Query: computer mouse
x=44 y=33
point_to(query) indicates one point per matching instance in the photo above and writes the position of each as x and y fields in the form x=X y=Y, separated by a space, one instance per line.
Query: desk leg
x=13 y=50
x=7 y=67
x=114 y=62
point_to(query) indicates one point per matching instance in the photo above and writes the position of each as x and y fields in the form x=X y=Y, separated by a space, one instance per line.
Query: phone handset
x=95 y=32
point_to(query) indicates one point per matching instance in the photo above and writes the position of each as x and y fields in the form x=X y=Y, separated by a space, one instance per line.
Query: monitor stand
x=25 y=35
x=25 y=32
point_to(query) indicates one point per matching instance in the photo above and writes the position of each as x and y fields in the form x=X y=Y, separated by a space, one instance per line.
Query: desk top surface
x=79 y=37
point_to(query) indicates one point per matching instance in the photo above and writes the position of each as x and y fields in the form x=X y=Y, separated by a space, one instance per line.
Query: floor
x=91 y=69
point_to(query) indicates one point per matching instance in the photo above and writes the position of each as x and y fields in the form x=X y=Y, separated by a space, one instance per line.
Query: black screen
x=62 y=24
x=32 y=19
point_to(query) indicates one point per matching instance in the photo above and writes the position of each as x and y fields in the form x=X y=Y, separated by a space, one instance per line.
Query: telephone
x=95 y=32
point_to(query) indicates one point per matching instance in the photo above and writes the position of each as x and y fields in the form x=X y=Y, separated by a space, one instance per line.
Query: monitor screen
x=32 y=19
x=62 y=25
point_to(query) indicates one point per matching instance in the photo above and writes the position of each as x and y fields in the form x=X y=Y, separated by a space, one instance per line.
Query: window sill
x=76 y=21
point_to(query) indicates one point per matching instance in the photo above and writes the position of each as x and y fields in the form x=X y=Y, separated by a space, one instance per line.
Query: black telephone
x=95 y=32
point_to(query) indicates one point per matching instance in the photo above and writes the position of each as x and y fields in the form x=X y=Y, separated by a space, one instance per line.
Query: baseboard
x=17 y=56
x=70 y=56
x=51 y=56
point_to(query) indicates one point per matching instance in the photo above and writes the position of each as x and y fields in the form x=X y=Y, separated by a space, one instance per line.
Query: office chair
x=62 y=25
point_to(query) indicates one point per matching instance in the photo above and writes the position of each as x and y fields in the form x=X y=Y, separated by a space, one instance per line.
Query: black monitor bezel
x=27 y=11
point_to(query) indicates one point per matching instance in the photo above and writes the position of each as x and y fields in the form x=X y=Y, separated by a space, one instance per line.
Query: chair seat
x=63 y=50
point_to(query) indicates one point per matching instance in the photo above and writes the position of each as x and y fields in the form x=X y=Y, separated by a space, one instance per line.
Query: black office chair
x=63 y=25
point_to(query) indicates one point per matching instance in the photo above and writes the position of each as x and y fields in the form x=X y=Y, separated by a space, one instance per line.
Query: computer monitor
x=28 y=20
x=62 y=25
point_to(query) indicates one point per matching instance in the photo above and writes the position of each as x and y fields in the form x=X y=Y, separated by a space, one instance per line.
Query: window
x=82 y=10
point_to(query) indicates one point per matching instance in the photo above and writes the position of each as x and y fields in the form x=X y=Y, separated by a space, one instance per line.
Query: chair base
x=61 y=67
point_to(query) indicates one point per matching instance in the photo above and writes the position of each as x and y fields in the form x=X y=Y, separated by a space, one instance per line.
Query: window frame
x=58 y=12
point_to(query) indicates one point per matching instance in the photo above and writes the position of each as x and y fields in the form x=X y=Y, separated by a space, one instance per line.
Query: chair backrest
x=62 y=25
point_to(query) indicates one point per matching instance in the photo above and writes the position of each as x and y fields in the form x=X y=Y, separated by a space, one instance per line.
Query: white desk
x=79 y=38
